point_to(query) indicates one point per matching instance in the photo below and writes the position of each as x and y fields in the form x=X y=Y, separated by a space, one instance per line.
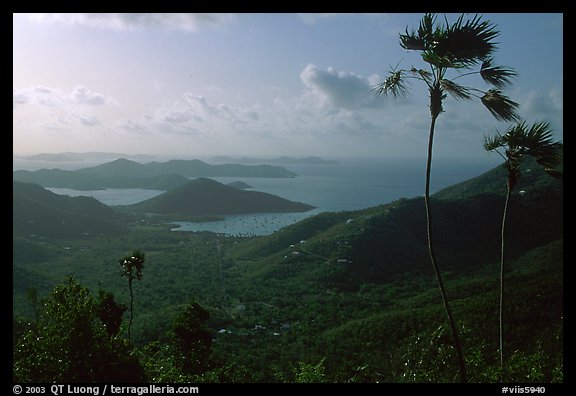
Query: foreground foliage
x=382 y=332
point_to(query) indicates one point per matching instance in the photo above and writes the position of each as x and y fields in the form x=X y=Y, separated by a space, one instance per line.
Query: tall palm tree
x=458 y=47
x=132 y=267
x=517 y=143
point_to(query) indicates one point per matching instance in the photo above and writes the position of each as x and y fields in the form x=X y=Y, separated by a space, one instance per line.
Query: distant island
x=204 y=196
x=279 y=161
x=124 y=173
x=88 y=156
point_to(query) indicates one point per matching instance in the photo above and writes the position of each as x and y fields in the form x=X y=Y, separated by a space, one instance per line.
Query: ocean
x=351 y=185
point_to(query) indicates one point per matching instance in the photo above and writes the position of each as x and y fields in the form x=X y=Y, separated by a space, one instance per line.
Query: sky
x=264 y=85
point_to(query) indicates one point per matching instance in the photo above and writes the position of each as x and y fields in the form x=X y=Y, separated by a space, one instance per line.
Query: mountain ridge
x=124 y=173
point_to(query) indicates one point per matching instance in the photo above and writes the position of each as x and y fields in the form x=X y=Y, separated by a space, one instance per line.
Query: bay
x=351 y=185
x=111 y=196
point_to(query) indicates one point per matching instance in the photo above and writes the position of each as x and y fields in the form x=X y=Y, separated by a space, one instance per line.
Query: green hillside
x=42 y=213
x=207 y=197
x=532 y=177
x=382 y=243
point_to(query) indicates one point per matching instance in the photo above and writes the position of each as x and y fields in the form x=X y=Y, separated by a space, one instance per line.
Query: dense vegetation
x=338 y=297
x=39 y=213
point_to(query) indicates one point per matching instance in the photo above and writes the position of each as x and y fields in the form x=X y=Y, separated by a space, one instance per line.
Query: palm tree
x=517 y=143
x=459 y=47
x=132 y=267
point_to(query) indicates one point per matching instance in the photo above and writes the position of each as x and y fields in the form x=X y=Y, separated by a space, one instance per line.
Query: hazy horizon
x=27 y=162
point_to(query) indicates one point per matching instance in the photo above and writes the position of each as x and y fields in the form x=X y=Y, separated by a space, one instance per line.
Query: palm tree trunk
x=508 y=193
x=457 y=343
x=131 y=307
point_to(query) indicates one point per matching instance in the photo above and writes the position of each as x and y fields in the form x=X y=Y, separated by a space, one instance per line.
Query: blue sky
x=196 y=85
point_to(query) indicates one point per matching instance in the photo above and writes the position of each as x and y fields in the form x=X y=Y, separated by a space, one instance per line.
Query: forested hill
x=42 y=213
x=532 y=178
x=384 y=242
x=123 y=173
x=207 y=197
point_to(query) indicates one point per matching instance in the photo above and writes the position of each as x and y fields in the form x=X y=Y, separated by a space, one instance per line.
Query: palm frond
x=541 y=145
x=498 y=76
x=421 y=39
x=515 y=136
x=493 y=143
x=133 y=265
x=467 y=43
x=502 y=108
x=423 y=75
x=411 y=41
x=540 y=135
x=536 y=141
x=426 y=28
x=438 y=60
x=457 y=91
x=460 y=45
x=394 y=84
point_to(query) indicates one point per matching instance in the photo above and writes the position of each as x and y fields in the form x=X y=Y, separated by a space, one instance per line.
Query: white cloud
x=88 y=121
x=57 y=124
x=340 y=89
x=180 y=116
x=46 y=96
x=135 y=21
x=544 y=107
x=41 y=95
x=196 y=115
x=58 y=110
x=543 y=104
x=82 y=95
x=19 y=99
